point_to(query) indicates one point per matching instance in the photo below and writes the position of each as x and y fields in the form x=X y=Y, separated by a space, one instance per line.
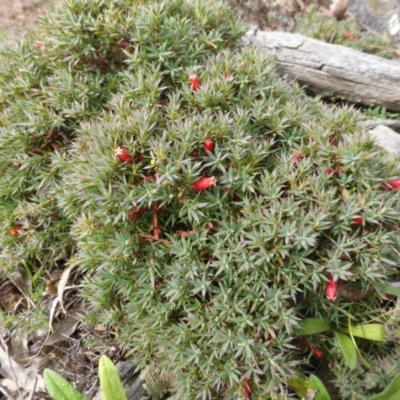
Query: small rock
x=387 y=138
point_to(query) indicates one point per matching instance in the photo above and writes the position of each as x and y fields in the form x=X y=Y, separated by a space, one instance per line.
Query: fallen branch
x=332 y=70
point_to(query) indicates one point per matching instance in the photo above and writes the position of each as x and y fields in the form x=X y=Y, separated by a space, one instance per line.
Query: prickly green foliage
x=345 y=33
x=220 y=305
x=363 y=383
x=63 y=75
x=216 y=296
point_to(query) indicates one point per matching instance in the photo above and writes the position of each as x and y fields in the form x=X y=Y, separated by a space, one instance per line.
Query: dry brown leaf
x=60 y=293
x=19 y=347
x=63 y=331
x=10 y=296
x=25 y=379
x=61 y=286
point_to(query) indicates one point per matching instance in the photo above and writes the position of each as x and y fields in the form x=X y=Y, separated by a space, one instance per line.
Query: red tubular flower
x=38 y=46
x=393 y=184
x=297 y=157
x=123 y=155
x=209 y=145
x=16 y=231
x=317 y=352
x=195 y=82
x=331 y=288
x=357 y=220
x=246 y=389
x=227 y=74
x=203 y=183
x=156 y=232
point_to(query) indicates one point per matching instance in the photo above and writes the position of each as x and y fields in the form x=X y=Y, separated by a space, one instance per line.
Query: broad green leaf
x=388 y=288
x=58 y=388
x=322 y=393
x=300 y=385
x=369 y=331
x=312 y=326
x=110 y=384
x=392 y=392
x=348 y=349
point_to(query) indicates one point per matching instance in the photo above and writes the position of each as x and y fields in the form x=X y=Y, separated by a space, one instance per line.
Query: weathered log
x=332 y=70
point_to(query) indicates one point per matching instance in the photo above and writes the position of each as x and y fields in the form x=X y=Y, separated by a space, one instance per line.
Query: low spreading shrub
x=212 y=207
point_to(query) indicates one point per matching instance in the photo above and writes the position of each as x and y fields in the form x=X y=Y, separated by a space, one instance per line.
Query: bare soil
x=16 y=16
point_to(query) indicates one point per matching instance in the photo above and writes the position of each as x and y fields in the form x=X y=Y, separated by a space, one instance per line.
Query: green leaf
x=312 y=326
x=58 y=388
x=369 y=331
x=322 y=393
x=392 y=392
x=388 y=288
x=110 y=384
x=300 y=385
x=348 y=349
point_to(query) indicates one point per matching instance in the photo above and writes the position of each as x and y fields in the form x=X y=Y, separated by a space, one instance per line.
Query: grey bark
x=333 y=70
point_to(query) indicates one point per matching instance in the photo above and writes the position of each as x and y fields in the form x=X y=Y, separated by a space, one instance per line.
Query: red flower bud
x=38 y=46
x=246 y=389
x=331 y=288
x=331 y=171
x=195 y=82
x=16 y=231
x=203 y=184
x=158 y=283
x=236 y=197
x=393 y=184
x=317 y=352
x=185 y=233
x=123 y=155
x=227 y=74
x=123 y=45
x=194 y=153
x=347 y=35
x=211 y=226
x=209 y=145
x=297 y=157
x=357 y=220
x=135 y=213
x=151 y=178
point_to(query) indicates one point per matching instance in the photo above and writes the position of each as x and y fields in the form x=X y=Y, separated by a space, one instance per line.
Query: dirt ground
x=16 y=16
